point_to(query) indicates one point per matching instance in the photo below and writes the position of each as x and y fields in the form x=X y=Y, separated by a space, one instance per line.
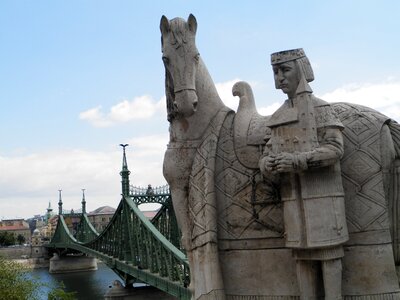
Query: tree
x=16 y=284
x=7 y=238
x=60 y=294
x=20 y=239
x=13 y=282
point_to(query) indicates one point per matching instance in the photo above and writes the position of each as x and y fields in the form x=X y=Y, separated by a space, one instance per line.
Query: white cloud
x=35 y=178
x=384 y=97
x=225 y=92
x=142 y=107
x=145 y=107
x=270 y=109
x=96 y=117
x=150 y=145
x=31 y=181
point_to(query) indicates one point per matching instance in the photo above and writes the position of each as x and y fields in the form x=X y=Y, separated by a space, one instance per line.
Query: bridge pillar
x=68 y=264
x=119 y=292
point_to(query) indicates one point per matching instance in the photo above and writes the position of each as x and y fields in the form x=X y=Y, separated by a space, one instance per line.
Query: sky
x=77 y=78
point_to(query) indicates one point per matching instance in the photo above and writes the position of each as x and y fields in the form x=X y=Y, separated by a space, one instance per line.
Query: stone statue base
x=270 y=274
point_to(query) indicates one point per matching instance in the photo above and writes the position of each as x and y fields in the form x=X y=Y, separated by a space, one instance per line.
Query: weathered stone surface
x=369 y=270
x=262 y=272
x=324 y=205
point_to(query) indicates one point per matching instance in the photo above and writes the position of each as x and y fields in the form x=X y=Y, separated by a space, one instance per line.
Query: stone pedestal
x=259 y=274
x=72 y=264
x=264 y=274
x=376 y=276
x=119 y=292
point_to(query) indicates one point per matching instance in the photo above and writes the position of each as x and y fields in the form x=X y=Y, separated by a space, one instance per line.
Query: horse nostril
x=175 y=105
x=195 y=105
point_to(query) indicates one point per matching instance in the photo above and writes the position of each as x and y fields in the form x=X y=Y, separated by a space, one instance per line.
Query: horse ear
x=192 y=23
x=164 y=25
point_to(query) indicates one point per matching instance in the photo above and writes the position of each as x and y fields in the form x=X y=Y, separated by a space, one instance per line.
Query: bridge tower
x=49 y=213
x=125 y=173
x=60 y=209
x=83 y=202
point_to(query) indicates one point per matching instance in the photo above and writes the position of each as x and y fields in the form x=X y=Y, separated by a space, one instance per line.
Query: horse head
x=181 y=59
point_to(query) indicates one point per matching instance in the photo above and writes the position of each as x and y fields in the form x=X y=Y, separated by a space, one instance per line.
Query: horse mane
x=178 y=29
x=170 y=96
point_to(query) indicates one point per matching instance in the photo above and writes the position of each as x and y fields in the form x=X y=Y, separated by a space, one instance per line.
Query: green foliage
x=61 y=294
x=7 y=238
x=20 y=239
x=16 y=284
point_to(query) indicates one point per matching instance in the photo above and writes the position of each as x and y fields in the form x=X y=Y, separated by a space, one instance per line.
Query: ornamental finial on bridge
x=125 y=173
x=83 y=202
x=59 y=203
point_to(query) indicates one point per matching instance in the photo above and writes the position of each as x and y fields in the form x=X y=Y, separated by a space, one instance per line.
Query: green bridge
x=135 y=248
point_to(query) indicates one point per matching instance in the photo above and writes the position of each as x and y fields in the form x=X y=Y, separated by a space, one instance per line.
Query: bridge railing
x=143 y=195
x=165 y=219
x=158 y=190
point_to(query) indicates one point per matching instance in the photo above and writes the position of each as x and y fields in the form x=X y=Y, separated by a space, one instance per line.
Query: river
x=90 y=285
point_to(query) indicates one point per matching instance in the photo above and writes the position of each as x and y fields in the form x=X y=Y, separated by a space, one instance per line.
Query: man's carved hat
x=287 y=55
x=301 y=59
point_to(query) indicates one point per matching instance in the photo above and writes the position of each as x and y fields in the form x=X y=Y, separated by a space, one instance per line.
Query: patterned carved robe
x=313 y=197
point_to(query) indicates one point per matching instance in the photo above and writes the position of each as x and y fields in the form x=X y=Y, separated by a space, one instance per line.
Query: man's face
x=287 y=77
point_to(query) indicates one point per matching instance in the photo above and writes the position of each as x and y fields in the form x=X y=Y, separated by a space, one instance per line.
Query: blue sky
x=79 y=77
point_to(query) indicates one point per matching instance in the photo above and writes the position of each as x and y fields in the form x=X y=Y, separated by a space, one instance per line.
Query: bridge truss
x=137 y=249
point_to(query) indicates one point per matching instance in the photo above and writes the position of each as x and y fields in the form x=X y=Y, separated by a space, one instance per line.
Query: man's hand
x=284 y=163
x=268 y=164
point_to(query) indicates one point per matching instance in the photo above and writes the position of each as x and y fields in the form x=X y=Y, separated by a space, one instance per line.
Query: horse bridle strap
x=184 y=144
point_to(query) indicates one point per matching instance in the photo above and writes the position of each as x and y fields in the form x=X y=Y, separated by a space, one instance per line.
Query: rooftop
x=9 y=220
x=150 y=214
x=13 y=227
x=103 y=210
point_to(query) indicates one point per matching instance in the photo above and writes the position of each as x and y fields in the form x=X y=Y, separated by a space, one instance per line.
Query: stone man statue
x=302 y=157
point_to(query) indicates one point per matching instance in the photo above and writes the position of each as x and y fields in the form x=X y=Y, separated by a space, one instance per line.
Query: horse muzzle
x=186 y=102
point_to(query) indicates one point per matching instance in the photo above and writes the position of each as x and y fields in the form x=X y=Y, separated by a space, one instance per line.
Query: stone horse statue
x=231 y=218
x=192 y=103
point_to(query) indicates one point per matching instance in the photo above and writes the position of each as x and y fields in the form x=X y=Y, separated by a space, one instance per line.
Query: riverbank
x=33 y=263
x=22 y=255
x=16 y=252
